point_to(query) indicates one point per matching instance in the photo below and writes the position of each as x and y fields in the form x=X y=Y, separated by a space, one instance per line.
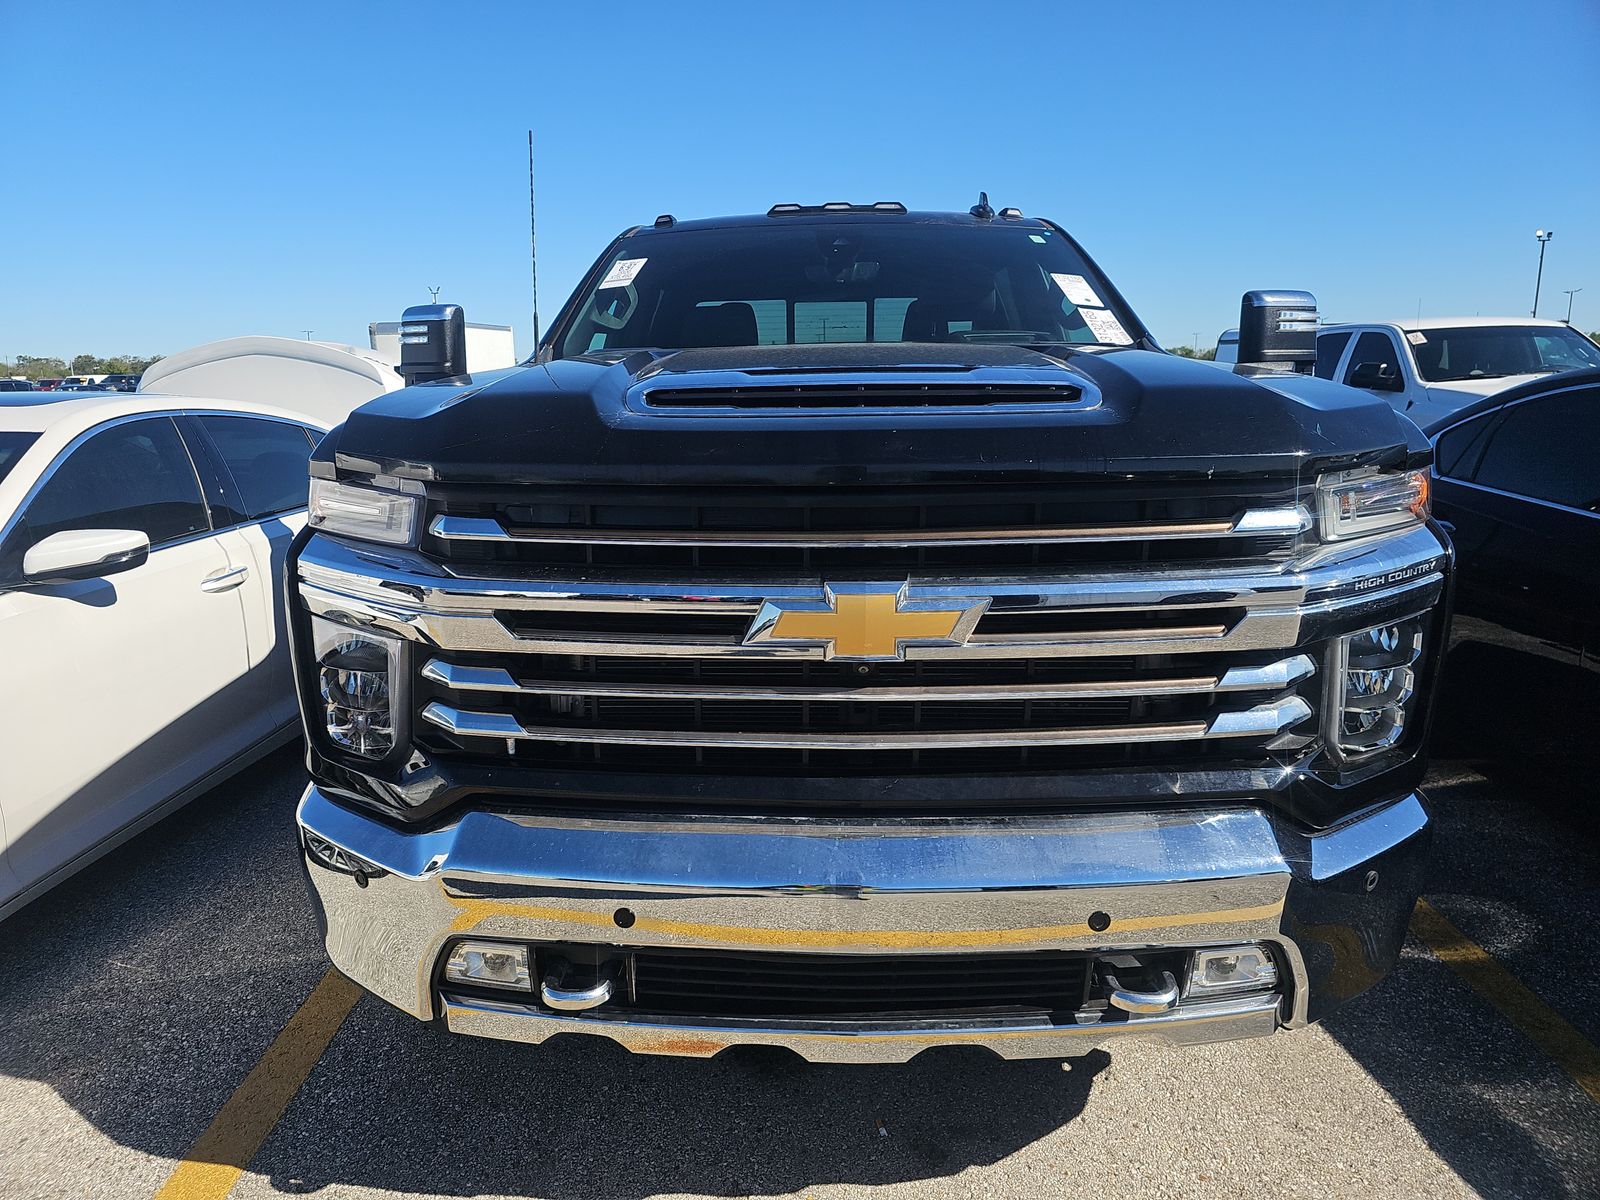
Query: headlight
x=368 y=513
x=1353 y=503
x=1373 y=681
x=355 y=678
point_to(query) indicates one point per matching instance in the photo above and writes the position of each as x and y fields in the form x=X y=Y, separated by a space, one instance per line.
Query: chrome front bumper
x=1333 y=906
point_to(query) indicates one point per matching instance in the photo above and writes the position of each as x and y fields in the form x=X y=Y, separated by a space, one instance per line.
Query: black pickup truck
x=851 y=632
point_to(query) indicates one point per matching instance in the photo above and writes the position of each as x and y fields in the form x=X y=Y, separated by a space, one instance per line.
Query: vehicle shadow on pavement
x=441 y=1114
x=145 y=988
x=1519 y=877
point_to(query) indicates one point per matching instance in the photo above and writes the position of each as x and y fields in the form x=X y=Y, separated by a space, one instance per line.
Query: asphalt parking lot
x=140 y=998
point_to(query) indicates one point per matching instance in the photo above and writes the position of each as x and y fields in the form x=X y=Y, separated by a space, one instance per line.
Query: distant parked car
x=120 y=383
x=16 y=385
x=1431 y=368
x=142 y=541
x=47 y=385
x=1517 y=485
x=78 y=387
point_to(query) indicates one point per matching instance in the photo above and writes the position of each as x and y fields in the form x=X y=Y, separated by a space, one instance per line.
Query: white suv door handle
x=226 y=580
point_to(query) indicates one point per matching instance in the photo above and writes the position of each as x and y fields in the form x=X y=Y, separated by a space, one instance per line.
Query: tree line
x=33 y=367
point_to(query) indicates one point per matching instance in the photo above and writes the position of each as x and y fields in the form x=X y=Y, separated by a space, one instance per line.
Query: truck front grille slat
x=1262 y=720
x=850 y=529
x=497 y=679
x=1253 y=523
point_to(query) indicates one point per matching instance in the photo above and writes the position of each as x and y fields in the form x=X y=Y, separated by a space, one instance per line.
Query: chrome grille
x=620 y=667
x=756 y=716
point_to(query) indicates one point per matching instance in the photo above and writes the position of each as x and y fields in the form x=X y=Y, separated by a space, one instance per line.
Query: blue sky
x=183 y=172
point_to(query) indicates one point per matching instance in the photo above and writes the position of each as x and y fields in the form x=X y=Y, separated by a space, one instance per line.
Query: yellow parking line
x=1543 y=1026
x=212 y=1165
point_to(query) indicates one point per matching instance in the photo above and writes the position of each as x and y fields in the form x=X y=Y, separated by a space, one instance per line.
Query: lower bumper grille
x=848 y=987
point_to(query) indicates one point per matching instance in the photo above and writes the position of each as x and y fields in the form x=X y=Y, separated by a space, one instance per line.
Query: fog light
x=354 y=670
x=490 y=964
x=1230 y=970
x=1373 y=680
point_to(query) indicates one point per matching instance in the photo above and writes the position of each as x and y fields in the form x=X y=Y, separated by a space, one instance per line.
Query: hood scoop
x=875 y=396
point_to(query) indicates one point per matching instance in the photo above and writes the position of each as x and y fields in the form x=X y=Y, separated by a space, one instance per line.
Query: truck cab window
x=1329 y=347
x=1371 y=347
x=813 y=282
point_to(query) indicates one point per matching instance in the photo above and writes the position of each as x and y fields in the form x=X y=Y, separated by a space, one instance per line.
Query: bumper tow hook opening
x=1156 y=1000
x=556 y=990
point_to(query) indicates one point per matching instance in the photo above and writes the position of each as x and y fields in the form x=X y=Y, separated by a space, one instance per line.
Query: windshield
x=12 y=446
x=1492 y=351
x=778 y=284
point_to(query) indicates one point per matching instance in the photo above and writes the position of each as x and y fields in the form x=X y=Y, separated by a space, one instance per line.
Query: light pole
x=308 y=333
x=1544 y=235
x=1571 y=292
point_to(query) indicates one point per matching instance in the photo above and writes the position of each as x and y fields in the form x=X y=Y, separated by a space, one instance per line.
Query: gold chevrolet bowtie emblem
x=866 y=621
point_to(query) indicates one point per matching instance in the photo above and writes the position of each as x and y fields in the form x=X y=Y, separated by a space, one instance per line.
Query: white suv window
x=136 y=475
x=267 y=460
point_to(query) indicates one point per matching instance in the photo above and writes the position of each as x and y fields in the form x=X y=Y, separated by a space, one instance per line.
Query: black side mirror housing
x=1377 y=377
x=1278 y=331
x=433 y=342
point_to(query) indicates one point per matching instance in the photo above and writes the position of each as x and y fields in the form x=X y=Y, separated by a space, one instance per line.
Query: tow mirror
x=1278 y=331
x=433 y=342
x=1377 y=377
x=75 y=554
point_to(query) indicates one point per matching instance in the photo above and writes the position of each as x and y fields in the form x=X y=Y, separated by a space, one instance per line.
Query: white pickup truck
x=1429 y=368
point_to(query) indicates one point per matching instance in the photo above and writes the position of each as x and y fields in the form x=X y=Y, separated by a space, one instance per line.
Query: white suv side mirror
x=84 y=554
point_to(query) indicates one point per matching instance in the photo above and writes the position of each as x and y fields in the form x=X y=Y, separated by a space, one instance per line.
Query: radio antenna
x=533 y=246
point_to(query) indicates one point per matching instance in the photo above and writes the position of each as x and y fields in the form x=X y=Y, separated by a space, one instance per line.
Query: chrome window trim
x=1494 y=491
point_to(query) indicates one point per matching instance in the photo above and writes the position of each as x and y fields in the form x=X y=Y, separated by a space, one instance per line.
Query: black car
x=1517 y=485
x=120 y=383
x=16 y=385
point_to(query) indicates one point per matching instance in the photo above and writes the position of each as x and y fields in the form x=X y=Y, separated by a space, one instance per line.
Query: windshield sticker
x=1416 y=339
x=623 y=272
x=1105 y=327
x=1036 y=237
x=1078 y=290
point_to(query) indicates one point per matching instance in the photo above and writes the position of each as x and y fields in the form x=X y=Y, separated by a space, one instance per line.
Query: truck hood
x=1083 y=413
x=1460 y=391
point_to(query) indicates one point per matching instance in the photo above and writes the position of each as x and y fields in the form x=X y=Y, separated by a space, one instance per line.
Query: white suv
x=1429 y=368
x=142 y=539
